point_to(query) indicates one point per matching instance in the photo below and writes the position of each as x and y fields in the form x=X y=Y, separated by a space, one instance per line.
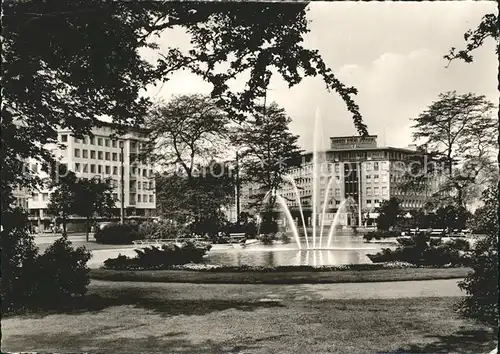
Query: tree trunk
x=64 y=233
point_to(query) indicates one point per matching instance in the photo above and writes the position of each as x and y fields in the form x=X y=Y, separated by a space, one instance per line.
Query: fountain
x=317 y=173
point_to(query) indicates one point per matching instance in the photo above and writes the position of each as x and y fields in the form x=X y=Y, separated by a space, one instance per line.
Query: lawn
x=191 y=318
x=288 y=277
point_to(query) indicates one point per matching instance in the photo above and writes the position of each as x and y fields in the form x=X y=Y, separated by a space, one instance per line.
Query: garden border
x=279 y=277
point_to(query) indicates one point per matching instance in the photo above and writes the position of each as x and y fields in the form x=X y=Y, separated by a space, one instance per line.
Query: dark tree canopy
x=67 y=62
x=267 y=148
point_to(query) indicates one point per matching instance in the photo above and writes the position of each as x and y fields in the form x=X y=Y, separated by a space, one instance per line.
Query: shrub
x=435 y=241
x=62 y=272
x=267 y=239
x=160 y=257
x=481 y=302
x=19 y=255
x=284 y=237
x=250 y=229
x=117 y=234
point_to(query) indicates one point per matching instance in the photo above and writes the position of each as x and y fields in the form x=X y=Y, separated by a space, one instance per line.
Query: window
x=64 y=138
x=108 y=170
x=106 y=142
x=134 y=170
x=77 y=152
x=113 y=143
x=76 y=140
x=368 y=166
x=115 y=197
x=375 y=177
x=85 y=154
x=337 y=168
x=368 y=176
x=92 y=168
x=385 y=191
x=115 y=156
x=92 y=140
x=85 y=168
x=144 y=173
x=375 y=166
x=99 y=141
x=99 y=155
x=133 y=146
x=107 y=154
x=368 y=202
x=92 y=154
x=151 y=185
x=115 y=170
x=145 y=198
x=376 y=201
x=99 y=169
x=376 y=191
x=337 y=202
x=151 y=174
x=368 y=190
x=77 y=167
x=151 y=199
x=138 y=197
x=337 y=192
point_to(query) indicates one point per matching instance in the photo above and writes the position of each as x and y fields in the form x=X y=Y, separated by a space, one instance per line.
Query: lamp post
x=237 y=189
x=122 y=191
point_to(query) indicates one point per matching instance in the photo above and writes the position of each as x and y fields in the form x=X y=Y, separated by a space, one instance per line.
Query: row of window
x=100 y=155
x=144 y=198
x=93 y=168
x=376 y=191
x=92 y=140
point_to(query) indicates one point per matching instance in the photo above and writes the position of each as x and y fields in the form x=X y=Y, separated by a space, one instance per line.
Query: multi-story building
x=99 y=155
x=356 y=170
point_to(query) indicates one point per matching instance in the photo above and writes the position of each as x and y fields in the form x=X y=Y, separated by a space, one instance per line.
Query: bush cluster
x=33 y=280
x=117 y=234
x=422 y=250
x=160 y=257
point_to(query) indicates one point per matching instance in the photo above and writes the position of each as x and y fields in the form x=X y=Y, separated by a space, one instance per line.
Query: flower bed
x=305 y=268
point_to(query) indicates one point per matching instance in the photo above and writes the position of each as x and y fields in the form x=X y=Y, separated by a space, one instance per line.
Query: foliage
x=389 y=214
x=87 y=71
x=199 y=200
x=161 y=230
x=63 y=197
x=284 y=237
x=488 y=28
x=19 y=255
x=452 y=217
x=117 y=234
x=481 y=286
x=483 y=220
x=186 y=132
x=269 y=149
x=160 y=258
x=92 y=197
x=419 y=250
x=379 y=234
x=459 y=129
x=62 y=272
x=267 y=238
x=250 y=229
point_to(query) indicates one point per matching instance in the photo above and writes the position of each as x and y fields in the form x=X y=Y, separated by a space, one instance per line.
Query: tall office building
x=99 y=155
x=358 y=171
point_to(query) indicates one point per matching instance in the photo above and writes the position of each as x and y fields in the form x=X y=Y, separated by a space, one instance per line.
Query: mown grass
x=123 y=317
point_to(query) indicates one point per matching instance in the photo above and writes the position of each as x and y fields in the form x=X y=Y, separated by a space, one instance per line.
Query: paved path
x=263 y=292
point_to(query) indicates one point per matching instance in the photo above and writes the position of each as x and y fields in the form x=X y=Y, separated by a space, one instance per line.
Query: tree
x=390 y=213
x=198 y=201
x=186 y=132
x=481 y=285
x=461 y=130
x=92 y=197
x=62 y=199
x=269 y=149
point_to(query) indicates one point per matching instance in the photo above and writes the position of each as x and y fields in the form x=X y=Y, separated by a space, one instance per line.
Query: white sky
x=391 y=52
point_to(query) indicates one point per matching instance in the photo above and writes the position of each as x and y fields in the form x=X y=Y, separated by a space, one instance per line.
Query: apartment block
x=100 y=156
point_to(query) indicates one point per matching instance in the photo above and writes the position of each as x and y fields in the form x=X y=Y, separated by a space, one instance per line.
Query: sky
x=391 y=52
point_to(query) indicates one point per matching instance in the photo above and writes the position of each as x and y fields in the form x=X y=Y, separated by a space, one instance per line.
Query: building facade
x=356 y=173
x=99 y=156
